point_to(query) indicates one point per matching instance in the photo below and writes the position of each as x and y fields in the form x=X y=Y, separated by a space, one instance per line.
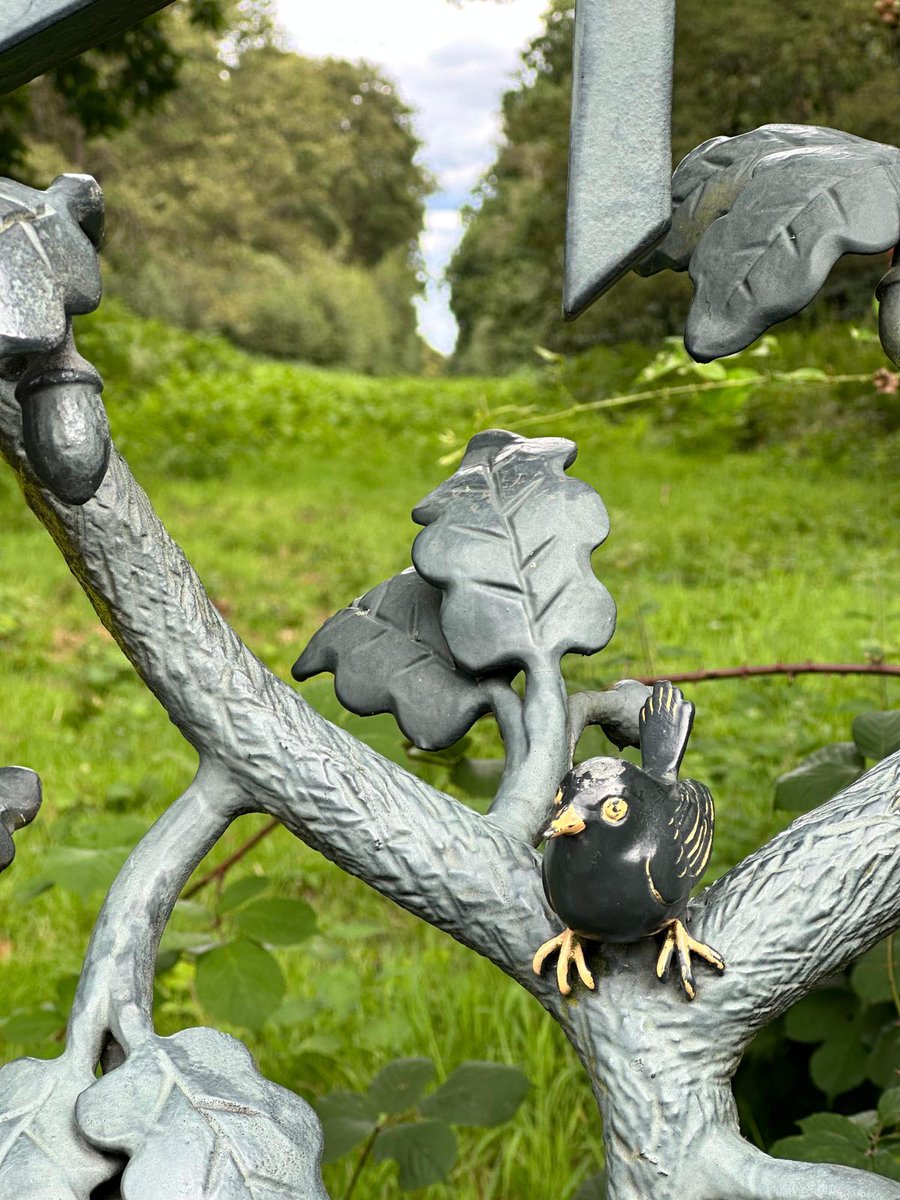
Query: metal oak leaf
x=42 y=1154
x=759 y=220
x=509 y=538
x=20 y=800
x=388 y=654
x=48 y=238
x=196 y=1119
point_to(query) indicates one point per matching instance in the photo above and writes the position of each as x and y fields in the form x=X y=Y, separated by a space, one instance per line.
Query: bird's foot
x=570 y=951
x=678 y=940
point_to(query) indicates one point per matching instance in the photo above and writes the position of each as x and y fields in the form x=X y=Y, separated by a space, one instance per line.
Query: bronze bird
x=627 y=845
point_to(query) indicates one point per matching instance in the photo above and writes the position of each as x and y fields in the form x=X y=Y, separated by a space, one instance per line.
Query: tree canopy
x=271 y=197
x=737 y=66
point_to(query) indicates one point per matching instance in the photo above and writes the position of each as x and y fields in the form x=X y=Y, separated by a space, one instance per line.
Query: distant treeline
x=266 y=196
x=737 y=65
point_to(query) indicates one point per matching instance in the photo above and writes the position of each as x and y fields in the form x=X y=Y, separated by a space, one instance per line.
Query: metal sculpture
x=626 y=847
x=619 y=143
x=20 y=801
x=501 y=583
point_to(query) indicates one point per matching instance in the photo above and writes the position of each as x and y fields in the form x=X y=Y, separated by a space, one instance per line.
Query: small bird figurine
x=627 y=845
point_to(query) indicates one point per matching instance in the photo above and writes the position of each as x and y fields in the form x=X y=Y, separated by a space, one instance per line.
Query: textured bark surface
x=660 y=1066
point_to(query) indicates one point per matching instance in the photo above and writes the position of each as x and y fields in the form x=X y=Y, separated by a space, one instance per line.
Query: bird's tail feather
x=665 y=726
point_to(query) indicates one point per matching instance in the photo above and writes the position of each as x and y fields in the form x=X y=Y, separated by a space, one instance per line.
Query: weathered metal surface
x=49 y=272
x=37 y=35
x=20 y=800
x=620 y=157
x=760 y=219
x=507 y=545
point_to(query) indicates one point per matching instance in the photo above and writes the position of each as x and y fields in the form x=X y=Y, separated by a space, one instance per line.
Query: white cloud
x=452 y=65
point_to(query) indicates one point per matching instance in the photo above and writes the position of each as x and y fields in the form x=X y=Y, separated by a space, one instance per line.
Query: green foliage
x=828 y=770
x=398 y=1124
x=240 y=983
x=820 y=776
x=867 y=1140
x=273 y=198
x=105 y=88
x=736 y=67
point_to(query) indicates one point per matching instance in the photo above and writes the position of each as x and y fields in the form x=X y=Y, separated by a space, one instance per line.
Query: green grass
x=715 y=558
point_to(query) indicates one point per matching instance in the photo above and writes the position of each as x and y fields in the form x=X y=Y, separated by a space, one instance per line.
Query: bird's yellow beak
x=568 y=822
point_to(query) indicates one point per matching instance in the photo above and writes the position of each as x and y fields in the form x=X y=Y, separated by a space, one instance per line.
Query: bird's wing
x=693 y=822
x=665 y=726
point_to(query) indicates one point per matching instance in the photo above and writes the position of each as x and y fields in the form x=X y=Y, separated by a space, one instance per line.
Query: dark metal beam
x=620 y=164
x=37 y=35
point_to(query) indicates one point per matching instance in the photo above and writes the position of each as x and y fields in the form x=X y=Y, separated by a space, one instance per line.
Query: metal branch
x=523 y=802
x=116 y=986
x=616 y=711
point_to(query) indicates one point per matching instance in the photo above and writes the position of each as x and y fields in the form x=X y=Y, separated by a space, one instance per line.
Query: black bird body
x=627 y=845
x=624 y=880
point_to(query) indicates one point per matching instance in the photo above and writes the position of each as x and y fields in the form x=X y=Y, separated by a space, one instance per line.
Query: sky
x=451 y=64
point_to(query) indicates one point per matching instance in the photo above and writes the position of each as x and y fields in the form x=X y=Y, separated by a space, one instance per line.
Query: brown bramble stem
x=217 y=874
x=789 y=669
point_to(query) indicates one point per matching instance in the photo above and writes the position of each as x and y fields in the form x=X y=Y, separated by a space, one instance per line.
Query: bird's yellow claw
x=570 y=951
x=678 y=940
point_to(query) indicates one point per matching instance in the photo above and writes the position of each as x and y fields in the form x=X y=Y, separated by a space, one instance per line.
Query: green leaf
x=81 y=869
x=346 y=1104
x=424 y=1151
x=889 y=1107
x=294 y=1011
x=347 y=1119
x=887 y=1164
x=820 y=1148
x=277 y=922
x=819 y=777
x=593 y=1188
x=478 y=1093
x=883 y=1067
x=867 y=1120
x=838 y=1065
x=338 y=990
x=23 y=1028
x=869 y=977
x=240 y=983
x=342 y=1134
x=820 y=1016
x=399 y=1085
x=242 y=891
x=877 y=734
x=834 y=1125
x=804 y=375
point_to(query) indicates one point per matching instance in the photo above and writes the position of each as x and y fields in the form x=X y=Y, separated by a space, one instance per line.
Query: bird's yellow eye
x=557 y=799
x=614 y=810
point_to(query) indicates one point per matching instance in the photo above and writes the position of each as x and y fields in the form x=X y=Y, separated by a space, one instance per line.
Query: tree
x=298 y=179
x=102 y=90
x=736 y=67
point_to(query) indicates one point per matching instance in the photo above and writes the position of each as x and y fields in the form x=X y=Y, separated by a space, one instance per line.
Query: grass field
x=302 y=503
